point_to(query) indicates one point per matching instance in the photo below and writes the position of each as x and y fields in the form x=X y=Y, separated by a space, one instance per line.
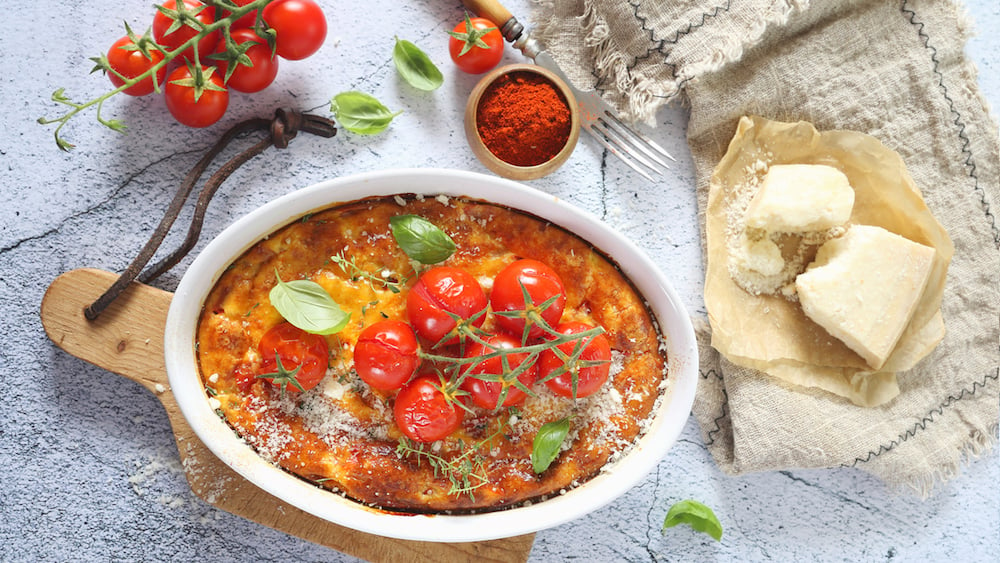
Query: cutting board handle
x=127 y=339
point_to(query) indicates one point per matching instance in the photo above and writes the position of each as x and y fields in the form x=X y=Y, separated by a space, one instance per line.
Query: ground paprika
x=523 y=119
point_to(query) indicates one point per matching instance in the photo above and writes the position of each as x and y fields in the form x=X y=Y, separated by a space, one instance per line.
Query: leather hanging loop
x=282 y=128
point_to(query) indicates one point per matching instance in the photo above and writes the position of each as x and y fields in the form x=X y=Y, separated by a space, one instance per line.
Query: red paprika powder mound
x=523 y=119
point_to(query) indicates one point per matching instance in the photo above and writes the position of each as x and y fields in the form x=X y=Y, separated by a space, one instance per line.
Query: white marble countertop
x=91 y=471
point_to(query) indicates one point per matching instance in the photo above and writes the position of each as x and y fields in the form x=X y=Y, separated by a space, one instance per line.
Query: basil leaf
x=361 y=113
x=420 y=239
x=415 y=66
x=305 y=304
x=547 y=444
x=695 y=514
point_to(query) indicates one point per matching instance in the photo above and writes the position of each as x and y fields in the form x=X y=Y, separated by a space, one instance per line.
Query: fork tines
x=638 y=151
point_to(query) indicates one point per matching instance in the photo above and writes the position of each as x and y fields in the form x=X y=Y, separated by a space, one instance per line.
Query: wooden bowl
x=498 y=165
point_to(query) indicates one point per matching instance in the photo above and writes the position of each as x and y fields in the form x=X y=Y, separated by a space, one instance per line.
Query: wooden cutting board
x=127 y=339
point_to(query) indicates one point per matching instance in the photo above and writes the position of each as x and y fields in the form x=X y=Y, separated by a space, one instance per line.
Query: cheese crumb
x=761 y=255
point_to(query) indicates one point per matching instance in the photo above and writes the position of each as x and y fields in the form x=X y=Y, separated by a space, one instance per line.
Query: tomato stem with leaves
x=221 y=24
x=457 y=368
x=283 y=376
x=475 y=45
x=472 y=36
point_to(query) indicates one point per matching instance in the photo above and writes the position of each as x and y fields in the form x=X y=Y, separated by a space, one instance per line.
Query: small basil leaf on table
x=305 y=304
x=696 y=515
x=415 y=66
x=547 y=444
x=420 y=239
x=361 y=113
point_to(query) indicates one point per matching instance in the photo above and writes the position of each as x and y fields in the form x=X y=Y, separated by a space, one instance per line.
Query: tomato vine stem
x=456 y=375
x=181 y=17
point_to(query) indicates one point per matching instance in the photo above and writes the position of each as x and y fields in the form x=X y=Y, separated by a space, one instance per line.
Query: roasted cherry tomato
x=126 y=59
x=423 y=412
x=261 y=71
x=487 y=394
x=299 y=26
x=245 y=376
x=476 y=45
x=589 y=378
x=191 y=109
x=297 y=349
x=171 y=39
x=386 y=354
x=542 y=284
x=439 y=293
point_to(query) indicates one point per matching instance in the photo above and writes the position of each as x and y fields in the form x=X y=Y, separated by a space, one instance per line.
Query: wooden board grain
x=127 y=339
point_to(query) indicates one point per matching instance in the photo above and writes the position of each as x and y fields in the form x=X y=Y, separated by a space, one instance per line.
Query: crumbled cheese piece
x=863 y=288
x=796 y=198
x=762 y=255
x=332 y=389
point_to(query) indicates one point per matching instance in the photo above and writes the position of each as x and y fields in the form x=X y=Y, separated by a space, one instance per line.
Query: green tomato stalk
x=181 y=16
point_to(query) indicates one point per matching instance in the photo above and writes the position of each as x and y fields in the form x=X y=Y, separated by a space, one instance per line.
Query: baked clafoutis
x=431 y=354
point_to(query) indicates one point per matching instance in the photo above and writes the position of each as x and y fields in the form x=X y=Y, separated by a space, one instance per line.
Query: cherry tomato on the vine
x=192 y=104
x=128 y=60
x=487 y=394
x=261 y=71
x=476 y=45
x=246 y=20
x=439 y=293
x=171 y=36
x=542 y=284
x=299 y=26
x=385 y=356
x=589 y=378
x=297 y=349
x=423 y=412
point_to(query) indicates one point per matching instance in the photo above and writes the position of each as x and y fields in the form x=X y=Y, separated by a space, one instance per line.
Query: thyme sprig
x=375 y=281
x=182 y=15
x=466 y=473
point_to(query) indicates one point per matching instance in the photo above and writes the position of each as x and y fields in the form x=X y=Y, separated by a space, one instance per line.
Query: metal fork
x=635 y=149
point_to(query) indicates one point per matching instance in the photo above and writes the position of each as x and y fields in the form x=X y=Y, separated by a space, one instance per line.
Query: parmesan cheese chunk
x=762 y=256
x=796 y=198
x=863 y=288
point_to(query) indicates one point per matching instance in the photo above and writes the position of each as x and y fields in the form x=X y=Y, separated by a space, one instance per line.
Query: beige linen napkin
x=893 y=70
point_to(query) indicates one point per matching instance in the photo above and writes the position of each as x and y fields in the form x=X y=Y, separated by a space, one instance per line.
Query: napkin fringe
x=639 y=96
x=978 y=445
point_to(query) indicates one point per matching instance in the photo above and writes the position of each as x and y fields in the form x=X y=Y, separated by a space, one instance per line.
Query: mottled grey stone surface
x=91 y=472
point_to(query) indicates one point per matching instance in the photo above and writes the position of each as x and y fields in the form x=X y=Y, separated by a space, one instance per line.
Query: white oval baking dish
x=669 y=418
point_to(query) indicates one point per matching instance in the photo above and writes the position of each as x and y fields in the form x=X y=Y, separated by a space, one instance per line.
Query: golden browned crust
x=341 y=434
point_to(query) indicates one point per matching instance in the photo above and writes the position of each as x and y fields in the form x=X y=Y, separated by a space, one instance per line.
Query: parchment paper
x=770 y=333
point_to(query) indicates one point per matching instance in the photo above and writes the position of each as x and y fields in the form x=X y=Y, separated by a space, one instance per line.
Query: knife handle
x=489 y=9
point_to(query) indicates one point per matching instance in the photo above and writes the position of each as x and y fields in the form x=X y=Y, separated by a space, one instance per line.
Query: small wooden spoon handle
x=127 y=339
